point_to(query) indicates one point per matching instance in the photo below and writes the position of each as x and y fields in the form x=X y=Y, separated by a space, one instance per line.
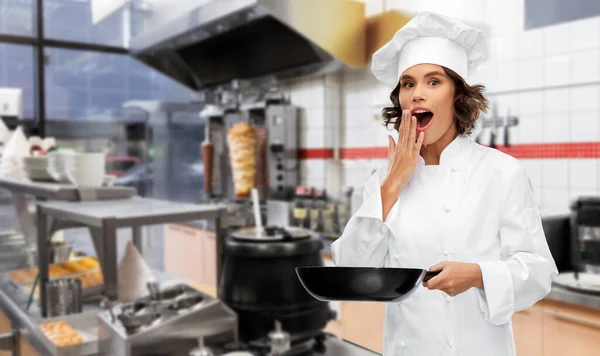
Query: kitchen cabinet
x=5 y=327
x=527 y=330
x=546 y=329
x=362 y=323
x=358 y=322
x=191 y=253
x=25 y=349
x=570 y=330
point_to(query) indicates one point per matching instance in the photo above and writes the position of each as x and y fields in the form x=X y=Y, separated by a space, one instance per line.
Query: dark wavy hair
x=469 y=102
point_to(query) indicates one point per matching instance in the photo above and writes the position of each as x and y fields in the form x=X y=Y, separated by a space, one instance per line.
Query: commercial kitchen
x=183 y=161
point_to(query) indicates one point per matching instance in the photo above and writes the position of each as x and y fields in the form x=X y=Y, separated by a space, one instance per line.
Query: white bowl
x=38 y=174
x=61 y=166
x=35 y=161
x=89 y=169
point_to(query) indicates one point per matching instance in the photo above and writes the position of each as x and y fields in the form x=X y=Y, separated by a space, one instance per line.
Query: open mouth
x=424 y=118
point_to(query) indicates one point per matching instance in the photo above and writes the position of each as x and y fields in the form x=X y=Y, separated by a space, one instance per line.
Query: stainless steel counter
x=337 y=347
x=560 y=294
x=13 y=301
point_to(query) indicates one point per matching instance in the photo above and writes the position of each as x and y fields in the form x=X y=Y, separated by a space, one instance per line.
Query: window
x=70 y=20
x=84 y=85
x=153 y=148
x=85 y=96
x=16 y=17
x=558 y=11
x=16 y=71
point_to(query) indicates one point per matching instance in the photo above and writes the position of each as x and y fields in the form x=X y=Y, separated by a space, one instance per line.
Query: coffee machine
x=585 y=233
x=584 y=247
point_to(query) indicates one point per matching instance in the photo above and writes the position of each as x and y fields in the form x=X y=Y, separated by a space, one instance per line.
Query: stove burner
x=313 y=347
x=162 y=304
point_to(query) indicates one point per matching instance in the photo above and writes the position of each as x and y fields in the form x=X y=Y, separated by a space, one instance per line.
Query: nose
x=418 y=94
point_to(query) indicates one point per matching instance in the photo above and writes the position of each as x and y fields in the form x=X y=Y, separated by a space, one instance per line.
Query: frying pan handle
x=430 y=274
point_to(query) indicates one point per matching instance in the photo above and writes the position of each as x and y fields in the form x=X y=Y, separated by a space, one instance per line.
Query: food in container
x=241 y=140
x=23 y=276
x=82 y=264
x=61 y=333
x=87 y=269
x=91 y=279
x=57 y=271
x=74 y=266
x=89 y=262
x=26 y=276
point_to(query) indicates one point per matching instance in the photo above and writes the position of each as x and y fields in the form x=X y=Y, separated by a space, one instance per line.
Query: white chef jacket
x=476 y=206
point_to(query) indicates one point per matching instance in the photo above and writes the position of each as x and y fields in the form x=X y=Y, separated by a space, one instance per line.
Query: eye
x=434 y=82
x=407 y=85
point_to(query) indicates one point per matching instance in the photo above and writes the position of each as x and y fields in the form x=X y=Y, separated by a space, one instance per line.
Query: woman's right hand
x=403 y=158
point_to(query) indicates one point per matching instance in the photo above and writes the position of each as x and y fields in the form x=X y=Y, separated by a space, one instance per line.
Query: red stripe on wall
x=554 y=150
x=316 y=153
x=364 y=152
x=522 y=151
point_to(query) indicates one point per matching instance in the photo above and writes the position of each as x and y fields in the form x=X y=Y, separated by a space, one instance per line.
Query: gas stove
x=169 y=321
x=263 y=347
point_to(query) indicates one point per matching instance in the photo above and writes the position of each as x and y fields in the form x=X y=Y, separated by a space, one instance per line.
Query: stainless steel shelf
x=103 y=218
x=128 y=212
x=63 y=191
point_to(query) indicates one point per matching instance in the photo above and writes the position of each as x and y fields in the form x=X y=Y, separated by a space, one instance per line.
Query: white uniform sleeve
x=525 y=273
x=364 y=242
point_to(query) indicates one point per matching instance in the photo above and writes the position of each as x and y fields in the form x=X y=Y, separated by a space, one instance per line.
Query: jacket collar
x=453 y=151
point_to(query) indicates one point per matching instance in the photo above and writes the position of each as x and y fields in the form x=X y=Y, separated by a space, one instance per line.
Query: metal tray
x=86 y=324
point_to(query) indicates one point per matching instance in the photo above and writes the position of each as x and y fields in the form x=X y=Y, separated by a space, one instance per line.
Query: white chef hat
x=430 y=38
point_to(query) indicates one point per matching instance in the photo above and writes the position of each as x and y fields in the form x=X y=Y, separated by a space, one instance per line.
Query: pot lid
x=271 y=233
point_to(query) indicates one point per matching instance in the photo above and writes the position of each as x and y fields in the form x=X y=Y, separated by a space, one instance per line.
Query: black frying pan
x=362 y=283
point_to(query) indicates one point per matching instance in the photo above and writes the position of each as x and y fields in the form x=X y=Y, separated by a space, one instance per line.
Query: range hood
x=225 y=40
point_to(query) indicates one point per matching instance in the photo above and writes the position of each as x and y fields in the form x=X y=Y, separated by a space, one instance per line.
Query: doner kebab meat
x=241 y=139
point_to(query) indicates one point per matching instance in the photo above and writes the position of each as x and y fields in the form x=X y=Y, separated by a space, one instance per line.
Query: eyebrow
x=428 y=74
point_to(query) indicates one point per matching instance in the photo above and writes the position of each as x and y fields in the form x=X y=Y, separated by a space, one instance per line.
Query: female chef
x=446 y=203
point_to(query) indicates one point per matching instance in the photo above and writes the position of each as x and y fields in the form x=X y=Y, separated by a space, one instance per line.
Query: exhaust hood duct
x=227 y=40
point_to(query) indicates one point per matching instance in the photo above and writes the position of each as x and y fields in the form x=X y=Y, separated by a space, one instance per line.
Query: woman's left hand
x=455 y=278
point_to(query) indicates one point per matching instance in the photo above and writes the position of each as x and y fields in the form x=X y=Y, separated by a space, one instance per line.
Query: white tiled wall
x=548 y=77
x=320 y=127
x=586 y=181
